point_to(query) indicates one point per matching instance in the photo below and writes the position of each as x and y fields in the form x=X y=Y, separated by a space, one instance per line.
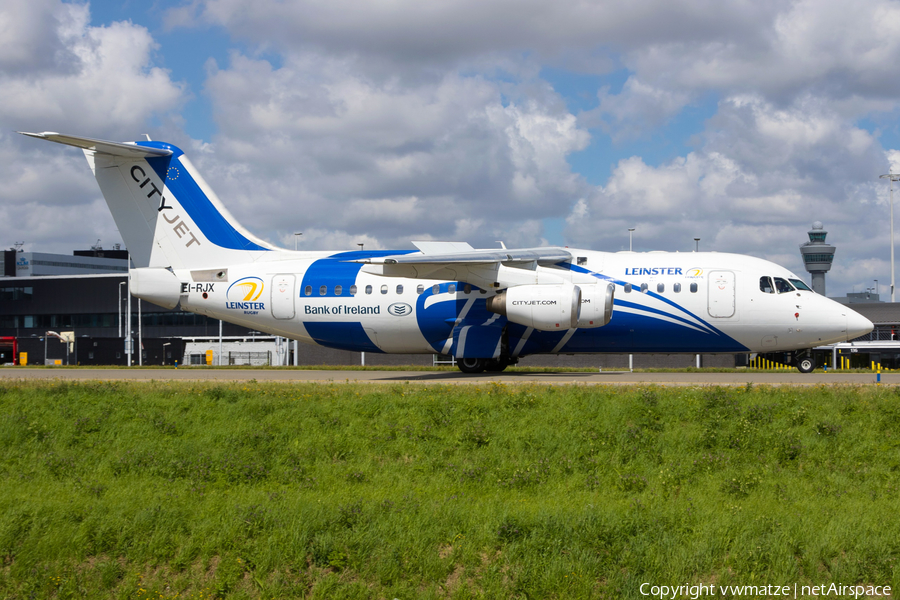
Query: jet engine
x=596 y=305
x=544 y=307
x=555 y=307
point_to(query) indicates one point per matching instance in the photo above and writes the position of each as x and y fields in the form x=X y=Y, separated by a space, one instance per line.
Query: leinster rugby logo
x=400 y=309
x=244 y=294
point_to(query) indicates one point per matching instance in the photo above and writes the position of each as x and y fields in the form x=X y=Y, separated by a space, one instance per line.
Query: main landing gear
x=479 y=365
x=491 y=365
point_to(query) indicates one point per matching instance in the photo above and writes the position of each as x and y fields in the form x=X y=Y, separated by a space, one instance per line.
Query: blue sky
x=477 y=121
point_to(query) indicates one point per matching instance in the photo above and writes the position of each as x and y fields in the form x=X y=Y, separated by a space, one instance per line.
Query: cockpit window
x=765 y=285
x=800 y=285
x=783 y=286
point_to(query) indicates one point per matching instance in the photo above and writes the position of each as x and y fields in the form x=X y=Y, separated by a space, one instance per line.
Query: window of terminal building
x=14 y=293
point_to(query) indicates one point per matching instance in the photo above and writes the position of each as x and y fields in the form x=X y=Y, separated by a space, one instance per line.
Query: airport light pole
x=630 y=238
x=892 y=177
x=121 y=283
x=696 y=244
x=296 y=238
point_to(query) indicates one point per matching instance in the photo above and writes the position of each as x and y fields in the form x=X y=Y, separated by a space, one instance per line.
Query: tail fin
x=166 y=213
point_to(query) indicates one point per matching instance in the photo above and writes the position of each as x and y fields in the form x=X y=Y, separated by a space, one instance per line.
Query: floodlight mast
x=892 y=177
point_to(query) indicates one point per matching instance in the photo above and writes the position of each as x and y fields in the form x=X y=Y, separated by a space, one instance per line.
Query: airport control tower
x=817 y=256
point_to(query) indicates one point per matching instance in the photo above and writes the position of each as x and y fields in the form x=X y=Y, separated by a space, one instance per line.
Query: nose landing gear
x=805 y=363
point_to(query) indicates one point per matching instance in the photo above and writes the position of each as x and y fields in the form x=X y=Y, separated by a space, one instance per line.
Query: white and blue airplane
x=485 y=307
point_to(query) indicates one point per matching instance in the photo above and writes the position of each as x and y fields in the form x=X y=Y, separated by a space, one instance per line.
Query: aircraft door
x=721 y=294
x=283 y=296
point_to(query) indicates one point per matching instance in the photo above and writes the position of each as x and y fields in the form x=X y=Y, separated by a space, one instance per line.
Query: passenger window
x=660 y=288
x=337 y=290
x=627 y=288
x=368 y=289
x=644 y=287
x=384 y=289
x=399 y=290
x=436 y=288
x=467 y=289
x=765 y=285
x=323 y=290
x=308 y=290
x=420 y=289
x=693 y=288
x=451 y=288
x=353 y=290
x=676 y=288
x=782 y=286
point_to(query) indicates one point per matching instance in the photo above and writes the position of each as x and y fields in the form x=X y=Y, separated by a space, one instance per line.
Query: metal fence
x=253 y=359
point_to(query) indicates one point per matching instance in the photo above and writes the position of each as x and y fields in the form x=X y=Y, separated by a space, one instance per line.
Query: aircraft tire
x=806 y=364
x=496 y=365
x=472 y=365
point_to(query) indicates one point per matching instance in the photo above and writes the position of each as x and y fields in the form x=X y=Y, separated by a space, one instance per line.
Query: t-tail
x=166 y=213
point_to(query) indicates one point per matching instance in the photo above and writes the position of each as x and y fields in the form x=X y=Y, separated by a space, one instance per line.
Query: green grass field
x=186 y=490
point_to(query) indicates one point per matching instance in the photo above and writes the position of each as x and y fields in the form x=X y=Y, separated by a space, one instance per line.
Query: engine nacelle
x=544 y=307
x=596 y=305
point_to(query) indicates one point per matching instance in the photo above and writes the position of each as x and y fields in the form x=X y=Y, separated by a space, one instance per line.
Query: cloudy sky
x=563 y=123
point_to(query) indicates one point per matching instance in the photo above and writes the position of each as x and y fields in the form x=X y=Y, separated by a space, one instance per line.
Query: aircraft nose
x=857 y=325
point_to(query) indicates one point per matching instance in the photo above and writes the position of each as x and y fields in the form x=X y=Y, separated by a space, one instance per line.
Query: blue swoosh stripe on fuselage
x=663 y=299
x=647 y=309
x=626 y=333
x=437 y=321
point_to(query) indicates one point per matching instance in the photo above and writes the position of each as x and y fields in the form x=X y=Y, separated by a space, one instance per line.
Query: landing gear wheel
x=806 y=364
x=496 y=365
x=472 y=365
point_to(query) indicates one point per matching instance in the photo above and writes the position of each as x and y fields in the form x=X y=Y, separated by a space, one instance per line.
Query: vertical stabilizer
x=166 y=213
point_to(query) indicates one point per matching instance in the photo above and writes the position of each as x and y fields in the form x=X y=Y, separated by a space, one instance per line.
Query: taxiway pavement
x=449 y=377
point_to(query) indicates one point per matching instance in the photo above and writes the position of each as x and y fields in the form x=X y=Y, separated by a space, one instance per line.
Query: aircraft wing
x=473 y=257
x=101 y=146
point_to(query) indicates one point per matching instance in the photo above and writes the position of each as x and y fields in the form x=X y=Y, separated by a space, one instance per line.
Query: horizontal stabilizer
x=480 y=257
x=100 y=146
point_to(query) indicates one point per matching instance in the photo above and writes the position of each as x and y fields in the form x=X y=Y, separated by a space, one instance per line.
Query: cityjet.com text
x=672 y=592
